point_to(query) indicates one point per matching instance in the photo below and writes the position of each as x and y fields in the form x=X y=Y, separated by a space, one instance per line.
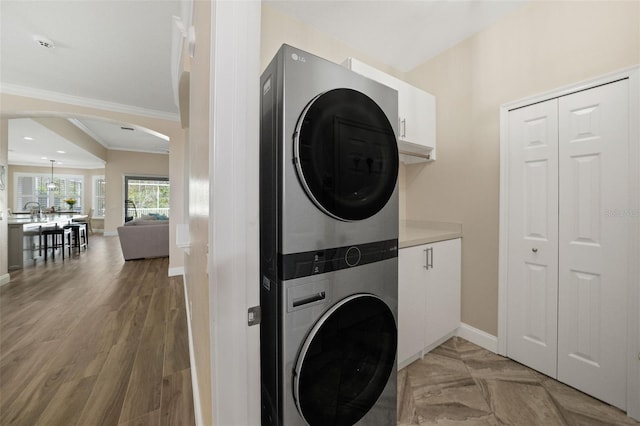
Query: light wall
x=13 y=106
x=278 y=28
x=197 y=158
x=538 y=48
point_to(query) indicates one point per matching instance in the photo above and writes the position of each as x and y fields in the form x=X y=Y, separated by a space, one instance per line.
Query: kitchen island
x=24 y=235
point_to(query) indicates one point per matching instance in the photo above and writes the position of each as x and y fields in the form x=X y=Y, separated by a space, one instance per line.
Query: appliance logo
x=298 y=58
x=267 y=86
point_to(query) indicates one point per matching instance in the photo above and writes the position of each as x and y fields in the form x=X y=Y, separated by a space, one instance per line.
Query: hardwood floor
x=94 y=340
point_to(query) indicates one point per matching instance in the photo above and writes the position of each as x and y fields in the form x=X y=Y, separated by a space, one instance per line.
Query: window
x=146 y=196
x=99 y=196
x=32 y=187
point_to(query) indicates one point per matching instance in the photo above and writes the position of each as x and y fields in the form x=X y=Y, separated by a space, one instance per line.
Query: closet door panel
x=533 y=236
x=593 y=241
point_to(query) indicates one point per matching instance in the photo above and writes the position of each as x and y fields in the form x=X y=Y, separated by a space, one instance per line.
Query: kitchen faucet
x=30 y=203
x=35 y=211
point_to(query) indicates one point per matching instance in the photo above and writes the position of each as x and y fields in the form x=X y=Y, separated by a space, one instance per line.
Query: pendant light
x=51 y=186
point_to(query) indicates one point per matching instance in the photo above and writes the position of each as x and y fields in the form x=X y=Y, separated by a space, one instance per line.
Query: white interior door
x=533 y=236
x=593 y=241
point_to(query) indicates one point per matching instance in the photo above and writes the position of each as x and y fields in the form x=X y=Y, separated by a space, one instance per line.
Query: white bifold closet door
x=593 y=244
x=533 y=237
x=568 y=260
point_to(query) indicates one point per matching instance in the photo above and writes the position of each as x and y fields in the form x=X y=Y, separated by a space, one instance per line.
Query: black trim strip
x=298 y=265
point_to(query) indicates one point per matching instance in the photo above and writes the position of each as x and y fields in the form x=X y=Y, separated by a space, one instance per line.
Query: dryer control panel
x=297 y=265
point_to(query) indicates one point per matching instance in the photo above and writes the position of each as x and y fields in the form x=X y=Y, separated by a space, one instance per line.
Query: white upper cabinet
x=416 y=110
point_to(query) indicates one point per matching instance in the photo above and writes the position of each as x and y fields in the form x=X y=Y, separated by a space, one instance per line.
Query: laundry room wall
x=539 y=47
x=278 y=28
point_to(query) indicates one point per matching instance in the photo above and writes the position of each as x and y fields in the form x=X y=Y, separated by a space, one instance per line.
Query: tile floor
x=460 y=383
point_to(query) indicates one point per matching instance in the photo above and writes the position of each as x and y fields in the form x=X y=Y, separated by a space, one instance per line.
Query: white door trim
x=233 y=264
x=633 y=308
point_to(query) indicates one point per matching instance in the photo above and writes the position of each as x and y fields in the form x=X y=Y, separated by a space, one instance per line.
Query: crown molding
x=13 y=89
x=145 y=151
x=64 y=166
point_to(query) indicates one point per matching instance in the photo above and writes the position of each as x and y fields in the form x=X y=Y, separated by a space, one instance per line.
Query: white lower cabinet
x=428 y=297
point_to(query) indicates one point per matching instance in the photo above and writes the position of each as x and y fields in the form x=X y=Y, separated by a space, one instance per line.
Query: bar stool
x=79 y=232
x=86 y=221
x=60 y=238
x=87 y=231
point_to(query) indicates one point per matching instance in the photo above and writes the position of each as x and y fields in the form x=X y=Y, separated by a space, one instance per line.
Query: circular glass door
x=346 y=154
x=345 y=361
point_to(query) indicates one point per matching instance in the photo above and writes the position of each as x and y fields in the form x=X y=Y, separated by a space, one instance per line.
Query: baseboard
x=426 y=350
x=197 y=407
x=174 y=272
x=110 y=233
x=478 y=337
x=4 y=279
x=405 y=363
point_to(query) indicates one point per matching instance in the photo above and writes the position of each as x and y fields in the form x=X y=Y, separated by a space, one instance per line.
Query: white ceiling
x=106 y=50
x=110 y=53
x=42 y=145
x=118 y=53
x=400 y=33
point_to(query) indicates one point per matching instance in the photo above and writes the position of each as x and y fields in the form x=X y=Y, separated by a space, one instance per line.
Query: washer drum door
x=346 y=154
x=345 y=361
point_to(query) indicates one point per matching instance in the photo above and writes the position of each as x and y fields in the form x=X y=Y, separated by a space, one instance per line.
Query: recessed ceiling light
x=28 y=138
x=61 y=152
x=43 y=158
x=44 y=42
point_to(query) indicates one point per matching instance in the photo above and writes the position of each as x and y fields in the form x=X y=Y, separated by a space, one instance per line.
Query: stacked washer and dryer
x=328 y=244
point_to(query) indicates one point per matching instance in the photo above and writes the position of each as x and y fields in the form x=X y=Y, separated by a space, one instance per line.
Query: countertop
x=416 y=232
x=44 y=219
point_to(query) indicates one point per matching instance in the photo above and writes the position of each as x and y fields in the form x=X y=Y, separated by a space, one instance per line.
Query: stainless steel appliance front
x=328 y=244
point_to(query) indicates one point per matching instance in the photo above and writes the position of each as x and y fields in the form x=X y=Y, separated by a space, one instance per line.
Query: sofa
x=144 y=238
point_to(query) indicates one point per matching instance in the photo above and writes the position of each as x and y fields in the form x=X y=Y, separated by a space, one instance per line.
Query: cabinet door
x=15 y=246
x=417 y=124
x=594 y=241
x=416 y=112
x=412 y=288
x=443 y=290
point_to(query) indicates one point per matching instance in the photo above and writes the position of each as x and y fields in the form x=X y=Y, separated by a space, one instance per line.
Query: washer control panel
x=353 y=256
x=297 y=265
